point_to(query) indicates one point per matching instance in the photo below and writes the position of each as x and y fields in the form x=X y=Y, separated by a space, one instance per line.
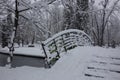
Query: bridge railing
x=64 y=41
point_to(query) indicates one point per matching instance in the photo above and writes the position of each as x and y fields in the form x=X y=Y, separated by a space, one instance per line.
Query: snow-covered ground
x=81 y=63
x=30 y=51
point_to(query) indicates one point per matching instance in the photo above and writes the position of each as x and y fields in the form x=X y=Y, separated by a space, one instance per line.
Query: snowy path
x=81 y=63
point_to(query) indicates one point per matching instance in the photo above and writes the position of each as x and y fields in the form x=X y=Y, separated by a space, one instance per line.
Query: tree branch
x=24 y=10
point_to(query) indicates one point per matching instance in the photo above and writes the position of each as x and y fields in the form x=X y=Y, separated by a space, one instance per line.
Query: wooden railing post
x=45 y=55
x=70 y=39
x=56 y=48
x=64 y=43
x=77 y=39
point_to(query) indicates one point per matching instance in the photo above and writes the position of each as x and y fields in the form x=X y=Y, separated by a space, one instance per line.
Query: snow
x=30 y=51
x=72 y=65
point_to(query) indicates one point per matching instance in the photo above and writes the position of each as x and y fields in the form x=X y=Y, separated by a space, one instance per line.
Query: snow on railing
x=64 y=41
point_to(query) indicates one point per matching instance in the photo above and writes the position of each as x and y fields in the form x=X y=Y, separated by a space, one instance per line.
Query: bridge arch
x=64 y=41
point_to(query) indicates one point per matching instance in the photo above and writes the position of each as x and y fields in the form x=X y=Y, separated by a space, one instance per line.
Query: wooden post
x=77 y=39
x=71 y=40
x=56 y=48
x=64 y=43
x=45 y=55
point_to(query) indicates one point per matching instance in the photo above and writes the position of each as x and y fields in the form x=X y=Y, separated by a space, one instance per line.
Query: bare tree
x=101 y=18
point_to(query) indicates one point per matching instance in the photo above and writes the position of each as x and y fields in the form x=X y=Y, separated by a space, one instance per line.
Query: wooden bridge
x=64 y=41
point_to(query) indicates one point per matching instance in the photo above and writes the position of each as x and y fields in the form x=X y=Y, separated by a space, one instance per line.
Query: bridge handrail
x=63 y=32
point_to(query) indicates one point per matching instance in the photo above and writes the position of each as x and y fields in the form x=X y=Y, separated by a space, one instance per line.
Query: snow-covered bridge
x=64 y=41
